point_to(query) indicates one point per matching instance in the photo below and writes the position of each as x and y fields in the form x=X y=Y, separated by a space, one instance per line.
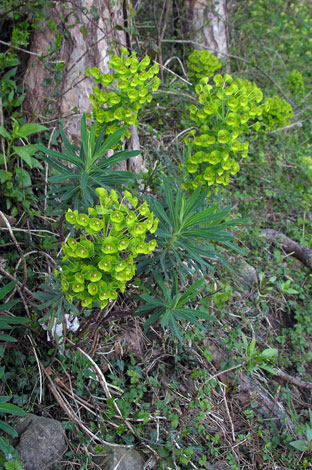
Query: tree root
x=293 y=380
x=250 y=390
x=292 y=247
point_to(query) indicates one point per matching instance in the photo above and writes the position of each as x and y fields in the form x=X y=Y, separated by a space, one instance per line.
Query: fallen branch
x=300 y=252
x=293 y=380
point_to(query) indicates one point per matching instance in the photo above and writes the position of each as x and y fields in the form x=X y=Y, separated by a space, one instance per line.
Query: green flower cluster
x=101 y=259
x=202 y=63
x=131 y=85
x=225 y=113
x=295 y=82
x=277 y=112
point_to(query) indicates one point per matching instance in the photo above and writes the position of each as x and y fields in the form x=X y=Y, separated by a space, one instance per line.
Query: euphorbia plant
x=131 y=82
x=226 y=112
x=99 y=261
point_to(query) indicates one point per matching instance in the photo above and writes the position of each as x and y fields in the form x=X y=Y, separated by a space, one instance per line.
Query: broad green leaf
x=299 y=445
x=4 y=398
x=26 y=152
x=309 y=434
x=165 y=318
x=28 y=129
x=267 y=368
x=175 y=330
x=9 y=74
x=252 y=345
x=69 y=177
x=114 y=178
x=4 y=133
x=208 y=234
x=269 y=352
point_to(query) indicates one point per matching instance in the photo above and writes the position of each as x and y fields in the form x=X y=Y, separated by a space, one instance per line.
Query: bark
x=89 y=45
x=292 y=247
x=207 y=21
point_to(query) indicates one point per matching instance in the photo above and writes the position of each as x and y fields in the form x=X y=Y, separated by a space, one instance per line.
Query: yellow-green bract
x=132 y=82
x=99 y=261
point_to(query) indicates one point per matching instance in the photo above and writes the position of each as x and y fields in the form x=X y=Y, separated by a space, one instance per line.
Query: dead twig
x=72 y=415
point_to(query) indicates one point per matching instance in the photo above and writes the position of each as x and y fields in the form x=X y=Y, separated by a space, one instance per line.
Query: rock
x=248 y=274
x=245 y=275
x=41 y=442
x=119 y=458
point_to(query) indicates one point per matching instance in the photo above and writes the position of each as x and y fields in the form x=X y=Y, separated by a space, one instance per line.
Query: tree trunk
x=207 y=20
x=92 y=36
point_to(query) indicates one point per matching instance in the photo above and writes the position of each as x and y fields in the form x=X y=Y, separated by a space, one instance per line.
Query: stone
x=119 y=458
x=245 y=275
x=248 y=274
x=41 y=442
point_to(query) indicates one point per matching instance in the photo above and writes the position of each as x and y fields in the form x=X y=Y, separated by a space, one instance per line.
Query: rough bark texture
x=89 y=45
x=300 y=252
x=208 y=22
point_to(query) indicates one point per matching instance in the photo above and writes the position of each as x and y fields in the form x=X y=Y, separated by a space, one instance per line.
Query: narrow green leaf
x=8 y=338
x=75 y=160
x=110 y=142
x=8 y=429
x=160 y=212
x=191 y=292
x=169 y=201
x=11 y=409
x=161 y=284
x=7 y=288
x=118 y=157
x=205 y=216
x=152 y=300
x=194 y=202
x=153 y=319
x=68 y=146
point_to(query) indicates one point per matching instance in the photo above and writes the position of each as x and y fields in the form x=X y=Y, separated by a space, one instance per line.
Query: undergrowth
x=194 y=344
